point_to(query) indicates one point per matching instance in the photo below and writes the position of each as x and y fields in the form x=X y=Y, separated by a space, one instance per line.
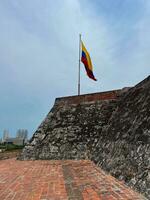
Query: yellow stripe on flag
x=88 y=57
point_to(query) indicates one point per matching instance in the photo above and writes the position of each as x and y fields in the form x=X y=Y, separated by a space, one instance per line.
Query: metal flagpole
x=79 y=64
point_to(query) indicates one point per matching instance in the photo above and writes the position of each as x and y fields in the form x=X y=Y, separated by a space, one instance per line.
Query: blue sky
x=39 y=52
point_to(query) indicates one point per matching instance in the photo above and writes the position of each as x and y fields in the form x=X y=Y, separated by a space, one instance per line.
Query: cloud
x=39 y=52
x=136 y=61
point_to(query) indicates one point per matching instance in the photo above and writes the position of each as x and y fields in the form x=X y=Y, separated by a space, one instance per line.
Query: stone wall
x=111 y=128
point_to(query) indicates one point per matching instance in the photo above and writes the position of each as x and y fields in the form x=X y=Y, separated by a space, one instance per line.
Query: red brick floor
x=59 y=180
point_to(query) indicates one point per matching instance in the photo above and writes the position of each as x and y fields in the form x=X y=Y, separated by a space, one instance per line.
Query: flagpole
x=79 y=64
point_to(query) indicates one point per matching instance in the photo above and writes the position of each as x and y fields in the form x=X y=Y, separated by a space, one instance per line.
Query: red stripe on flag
x=89 y=72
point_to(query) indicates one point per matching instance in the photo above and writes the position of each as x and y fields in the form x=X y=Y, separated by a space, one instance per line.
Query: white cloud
x=39 y=50
x=42 y=61
x=137 y=62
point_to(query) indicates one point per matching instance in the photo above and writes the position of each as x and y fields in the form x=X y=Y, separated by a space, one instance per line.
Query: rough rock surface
x=115 y=134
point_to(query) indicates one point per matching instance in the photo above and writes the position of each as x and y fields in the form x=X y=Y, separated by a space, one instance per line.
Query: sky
x=39 y=47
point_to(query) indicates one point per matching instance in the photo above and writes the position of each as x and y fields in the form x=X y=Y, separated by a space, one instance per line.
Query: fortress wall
x=110 y=128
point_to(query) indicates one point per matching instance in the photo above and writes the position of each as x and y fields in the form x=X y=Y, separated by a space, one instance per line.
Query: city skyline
x=19 y=133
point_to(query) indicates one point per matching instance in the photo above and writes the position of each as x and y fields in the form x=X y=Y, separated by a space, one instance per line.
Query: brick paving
x=59 y=180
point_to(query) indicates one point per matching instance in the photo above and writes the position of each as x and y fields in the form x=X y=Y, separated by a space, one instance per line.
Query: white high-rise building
x=5 y=135
x=22 y=134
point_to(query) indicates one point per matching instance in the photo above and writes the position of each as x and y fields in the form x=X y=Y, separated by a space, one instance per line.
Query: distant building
x=9 y=140
x=20 y=139
x=22 y=134
x=16 y=141
x=5 y=135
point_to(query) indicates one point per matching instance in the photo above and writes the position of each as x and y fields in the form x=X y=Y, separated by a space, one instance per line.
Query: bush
x=10 y=147
x=2 y=146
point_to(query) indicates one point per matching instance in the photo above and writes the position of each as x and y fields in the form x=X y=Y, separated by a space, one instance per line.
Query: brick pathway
x=59 y=180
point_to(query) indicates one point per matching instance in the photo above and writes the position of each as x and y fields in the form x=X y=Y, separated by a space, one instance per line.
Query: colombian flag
x=86 y=60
